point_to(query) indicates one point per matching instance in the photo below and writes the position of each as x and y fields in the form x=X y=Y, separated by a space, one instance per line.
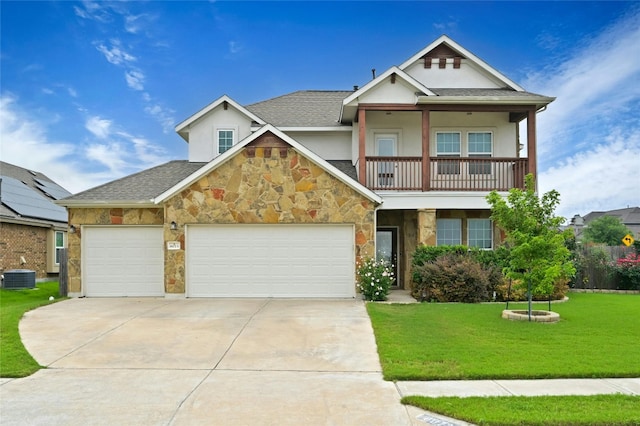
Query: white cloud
x=115 y=153
x=99 y=127
x=93 y=10
x=596 y=84
x=115 y=54
x=72 y=92
x=135 y=23
x=135 y=79
x=164 y=116
x=111 y=155
x=589 y=138
x=604 y=177
x=25 y=143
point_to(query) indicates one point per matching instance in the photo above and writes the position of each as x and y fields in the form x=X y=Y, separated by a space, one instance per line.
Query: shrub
x=627 y=272
x=518 y=291
x=375 y=278
x=452 y=277
x=424 y=254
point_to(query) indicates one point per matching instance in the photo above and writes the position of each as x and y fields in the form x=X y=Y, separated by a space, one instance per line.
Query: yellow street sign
x=628 y=240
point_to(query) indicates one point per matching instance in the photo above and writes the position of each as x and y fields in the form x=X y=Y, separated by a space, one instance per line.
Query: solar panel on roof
x=26 y=202
x=51 y=188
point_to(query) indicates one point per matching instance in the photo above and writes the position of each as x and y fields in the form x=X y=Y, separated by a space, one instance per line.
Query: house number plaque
x=173 y=245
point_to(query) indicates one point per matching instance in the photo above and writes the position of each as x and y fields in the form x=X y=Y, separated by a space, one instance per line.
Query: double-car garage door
x=224 y=261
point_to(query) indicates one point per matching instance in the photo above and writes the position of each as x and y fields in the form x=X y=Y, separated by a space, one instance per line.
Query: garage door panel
x=270 y=261
x=123 y=261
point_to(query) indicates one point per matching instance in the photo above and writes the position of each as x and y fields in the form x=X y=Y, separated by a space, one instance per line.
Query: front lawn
x=539 y=410
x=15 y=361
x=598 y=336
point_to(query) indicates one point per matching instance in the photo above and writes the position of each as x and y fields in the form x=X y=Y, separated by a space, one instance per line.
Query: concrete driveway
x=202 y=361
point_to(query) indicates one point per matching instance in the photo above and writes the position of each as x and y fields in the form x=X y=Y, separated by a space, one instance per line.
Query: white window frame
x=440 y=225
x=453 y=167
x=479 y=169
x=57 y=247
x=234 y=137
x=469 y=231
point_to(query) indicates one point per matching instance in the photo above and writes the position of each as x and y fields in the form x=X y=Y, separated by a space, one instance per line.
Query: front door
x=387 y=248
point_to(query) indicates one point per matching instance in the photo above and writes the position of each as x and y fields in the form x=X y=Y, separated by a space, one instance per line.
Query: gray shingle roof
x=142 y=186
x=305 y=108
x=345 y=167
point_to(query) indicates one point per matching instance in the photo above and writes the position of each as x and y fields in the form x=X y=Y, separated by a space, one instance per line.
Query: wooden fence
x=595 y=266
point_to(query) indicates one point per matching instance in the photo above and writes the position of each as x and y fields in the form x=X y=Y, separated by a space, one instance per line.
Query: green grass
x=539 y=410
x=598 y=336
x=15 y=361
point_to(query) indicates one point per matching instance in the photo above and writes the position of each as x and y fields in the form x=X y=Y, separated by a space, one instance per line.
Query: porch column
x=531 y=143
x=426 y=163
x=362 y=132
x=427 y=227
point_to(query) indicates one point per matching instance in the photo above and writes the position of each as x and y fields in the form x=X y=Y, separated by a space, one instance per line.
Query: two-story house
x=283 y=197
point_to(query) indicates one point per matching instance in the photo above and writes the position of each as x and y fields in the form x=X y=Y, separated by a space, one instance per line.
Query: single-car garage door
x=270 y=261
x=123 y=261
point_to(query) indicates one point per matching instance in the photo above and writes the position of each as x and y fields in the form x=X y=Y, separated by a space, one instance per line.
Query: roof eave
x=486 y=100
x=92 y=204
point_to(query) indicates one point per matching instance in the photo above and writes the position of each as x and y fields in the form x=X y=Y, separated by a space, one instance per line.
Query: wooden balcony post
x=362 y=130
x=426 y=163
x=531 y=143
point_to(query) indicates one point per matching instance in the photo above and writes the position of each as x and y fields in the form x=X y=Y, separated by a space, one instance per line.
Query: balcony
x=445 y=174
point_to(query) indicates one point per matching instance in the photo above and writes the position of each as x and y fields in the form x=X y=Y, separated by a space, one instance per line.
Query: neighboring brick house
x=283 y=197
x=32 y=227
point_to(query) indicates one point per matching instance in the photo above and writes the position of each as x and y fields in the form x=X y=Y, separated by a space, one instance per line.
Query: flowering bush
x=627 y=272
x=375 y=277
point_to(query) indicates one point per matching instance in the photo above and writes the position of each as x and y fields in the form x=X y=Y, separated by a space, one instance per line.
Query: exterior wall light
x=72 y=229
x=174 y=226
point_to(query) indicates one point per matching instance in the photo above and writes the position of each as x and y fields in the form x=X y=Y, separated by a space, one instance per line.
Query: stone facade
x=260 y=184
x=101 y=216
x=269 y=185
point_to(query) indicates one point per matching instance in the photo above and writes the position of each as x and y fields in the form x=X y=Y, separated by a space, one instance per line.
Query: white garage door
x=270 y=261
x=122 y=261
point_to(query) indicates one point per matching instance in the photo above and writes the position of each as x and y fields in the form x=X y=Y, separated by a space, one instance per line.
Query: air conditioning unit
x=19 y=278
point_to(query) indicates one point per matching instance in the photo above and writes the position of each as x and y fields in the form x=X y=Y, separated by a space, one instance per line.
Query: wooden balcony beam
x=448 y=107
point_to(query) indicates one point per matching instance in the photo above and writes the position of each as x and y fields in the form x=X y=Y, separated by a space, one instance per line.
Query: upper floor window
x=225 y=140
x=448 y=232
x=448 y=145
x=480 y=233
x=480 y=145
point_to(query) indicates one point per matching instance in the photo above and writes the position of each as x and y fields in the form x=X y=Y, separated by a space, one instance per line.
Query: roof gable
x=254 y=140
x=445 y=47
x=183 y=128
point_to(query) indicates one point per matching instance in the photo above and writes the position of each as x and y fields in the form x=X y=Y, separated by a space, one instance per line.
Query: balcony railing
x=445 y=174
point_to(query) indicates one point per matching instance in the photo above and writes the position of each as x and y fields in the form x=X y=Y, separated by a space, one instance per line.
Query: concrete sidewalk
x=467 y=388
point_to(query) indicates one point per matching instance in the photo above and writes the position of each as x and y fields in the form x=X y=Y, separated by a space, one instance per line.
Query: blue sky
x=91 y=91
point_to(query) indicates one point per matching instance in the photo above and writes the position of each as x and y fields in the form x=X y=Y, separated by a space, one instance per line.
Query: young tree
x=539 y=256
x=608 y=230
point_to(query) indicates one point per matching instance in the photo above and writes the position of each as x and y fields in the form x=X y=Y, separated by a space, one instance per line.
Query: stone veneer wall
x=265 y=185
x=101 y=216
